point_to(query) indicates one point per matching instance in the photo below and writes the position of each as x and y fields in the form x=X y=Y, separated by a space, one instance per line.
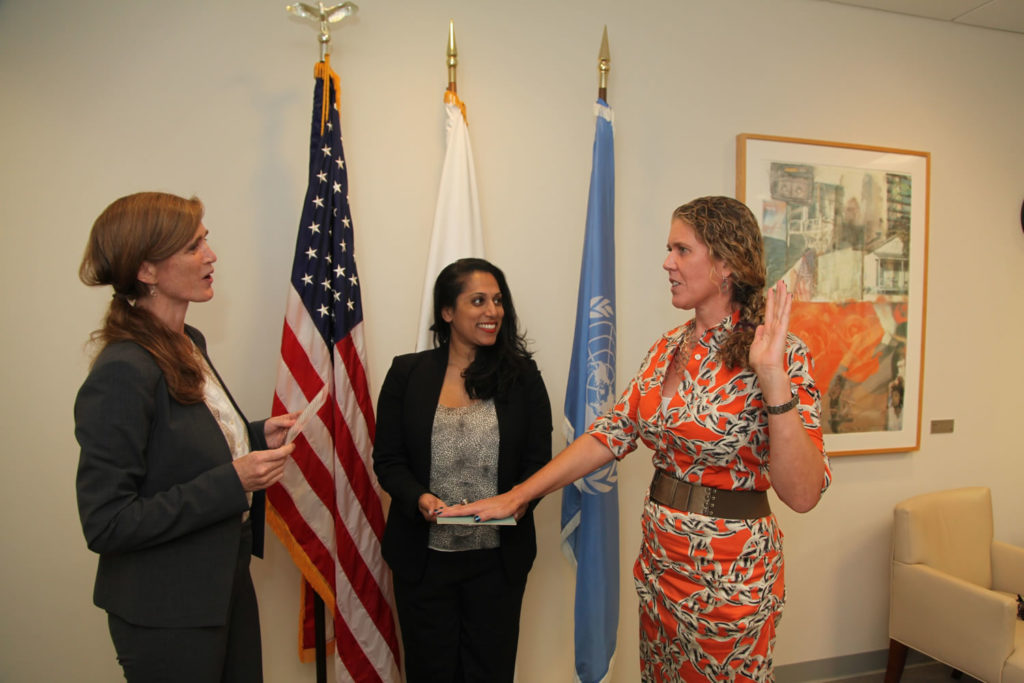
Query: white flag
x=457 y=233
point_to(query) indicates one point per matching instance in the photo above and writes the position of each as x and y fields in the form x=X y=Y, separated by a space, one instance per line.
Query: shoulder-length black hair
x=495 y=367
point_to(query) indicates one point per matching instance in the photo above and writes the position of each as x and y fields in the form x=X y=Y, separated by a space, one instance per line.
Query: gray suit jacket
x=158 y=497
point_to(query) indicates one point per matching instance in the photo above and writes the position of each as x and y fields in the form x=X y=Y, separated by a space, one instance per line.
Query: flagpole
x=604 y=61
x=457 y=231
x=453 y=57
x=590 y=509
x=320 y=637
x=324 y=16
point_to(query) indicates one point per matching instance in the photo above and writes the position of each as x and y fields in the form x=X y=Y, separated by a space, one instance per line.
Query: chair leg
x=897 y=660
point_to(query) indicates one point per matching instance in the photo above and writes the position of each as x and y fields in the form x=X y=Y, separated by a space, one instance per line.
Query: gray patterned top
x=464 y=464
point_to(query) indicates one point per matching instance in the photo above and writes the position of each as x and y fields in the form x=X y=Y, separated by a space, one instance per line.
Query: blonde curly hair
x=730 y=232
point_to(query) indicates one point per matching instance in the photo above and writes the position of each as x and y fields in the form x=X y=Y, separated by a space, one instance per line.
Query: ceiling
x=1001 y=15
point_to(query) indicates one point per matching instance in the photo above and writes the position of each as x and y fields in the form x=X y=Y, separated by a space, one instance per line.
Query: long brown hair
x=147 y=226
x=729 y=230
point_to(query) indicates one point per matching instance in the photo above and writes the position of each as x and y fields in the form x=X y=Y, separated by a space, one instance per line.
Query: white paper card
x=501 y=521
x=307 y=414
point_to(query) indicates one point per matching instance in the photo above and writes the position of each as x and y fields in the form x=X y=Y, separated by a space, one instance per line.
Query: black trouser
x=211 y=654
x=460 y=623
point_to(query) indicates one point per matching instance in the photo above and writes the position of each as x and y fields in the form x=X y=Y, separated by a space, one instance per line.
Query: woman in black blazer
x=465 y=420
x=170 y=475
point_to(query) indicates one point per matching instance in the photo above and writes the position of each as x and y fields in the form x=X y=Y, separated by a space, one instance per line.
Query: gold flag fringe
x=452 y=98
x=324 y=71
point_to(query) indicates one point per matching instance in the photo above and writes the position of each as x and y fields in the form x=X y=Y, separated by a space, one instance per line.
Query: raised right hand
x=259 y=469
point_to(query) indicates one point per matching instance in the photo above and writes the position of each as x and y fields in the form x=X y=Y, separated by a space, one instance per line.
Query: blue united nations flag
x=590 y=506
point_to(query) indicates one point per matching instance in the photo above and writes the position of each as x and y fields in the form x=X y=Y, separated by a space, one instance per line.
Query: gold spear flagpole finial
x=604 y=62
x=453 y=56
x=324 y=16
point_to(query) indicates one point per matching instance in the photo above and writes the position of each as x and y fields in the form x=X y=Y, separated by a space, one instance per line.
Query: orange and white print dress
x=711 y=590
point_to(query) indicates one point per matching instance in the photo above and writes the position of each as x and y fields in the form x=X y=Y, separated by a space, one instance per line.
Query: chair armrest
x=1007 y=567
x=954 y=621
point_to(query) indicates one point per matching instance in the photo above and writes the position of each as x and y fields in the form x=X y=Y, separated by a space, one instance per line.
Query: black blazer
x=158 y=497
x=401 y=456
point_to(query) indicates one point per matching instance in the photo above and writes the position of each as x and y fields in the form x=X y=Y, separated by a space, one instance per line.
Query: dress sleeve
x=800 y=367
x=618 y=429
x=114 y=415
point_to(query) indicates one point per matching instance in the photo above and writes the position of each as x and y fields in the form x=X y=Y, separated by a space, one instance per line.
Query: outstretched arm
x=581 y=457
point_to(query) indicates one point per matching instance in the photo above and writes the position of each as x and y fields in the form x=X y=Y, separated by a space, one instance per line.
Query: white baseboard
x=842 y=667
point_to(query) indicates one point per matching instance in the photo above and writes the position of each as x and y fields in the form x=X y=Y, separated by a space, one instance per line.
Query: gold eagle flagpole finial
x=452 y=55
x=604 y=61
x=324 y=16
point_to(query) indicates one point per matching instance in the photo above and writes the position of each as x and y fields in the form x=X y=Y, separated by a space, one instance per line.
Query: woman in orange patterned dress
x=727 y=404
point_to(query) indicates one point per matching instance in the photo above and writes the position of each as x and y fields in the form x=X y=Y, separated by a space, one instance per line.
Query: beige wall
x=103 y=98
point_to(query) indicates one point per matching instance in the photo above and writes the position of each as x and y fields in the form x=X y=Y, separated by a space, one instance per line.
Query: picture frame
x=846 y=226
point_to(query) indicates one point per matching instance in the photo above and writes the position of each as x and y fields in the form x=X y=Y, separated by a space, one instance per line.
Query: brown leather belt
x=680 y=495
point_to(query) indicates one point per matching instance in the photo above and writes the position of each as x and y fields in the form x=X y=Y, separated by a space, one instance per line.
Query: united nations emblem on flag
x=600 y=357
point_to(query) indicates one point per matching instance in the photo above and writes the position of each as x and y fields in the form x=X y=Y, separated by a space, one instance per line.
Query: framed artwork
x=846 y=227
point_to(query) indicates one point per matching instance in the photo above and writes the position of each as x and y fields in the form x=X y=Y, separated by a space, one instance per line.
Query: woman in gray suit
x=171 y=474
x=465 y=420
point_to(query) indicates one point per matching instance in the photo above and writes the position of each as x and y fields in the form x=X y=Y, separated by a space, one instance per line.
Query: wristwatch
x=782 y=408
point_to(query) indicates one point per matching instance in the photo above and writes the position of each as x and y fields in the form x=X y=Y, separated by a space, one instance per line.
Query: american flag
x=327 y=508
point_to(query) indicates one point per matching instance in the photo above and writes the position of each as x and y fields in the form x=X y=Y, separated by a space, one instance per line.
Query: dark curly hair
x=730 y=232
x=496 y=367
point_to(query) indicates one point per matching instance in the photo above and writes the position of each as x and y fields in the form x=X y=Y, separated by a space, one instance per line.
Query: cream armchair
x=954 y=589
